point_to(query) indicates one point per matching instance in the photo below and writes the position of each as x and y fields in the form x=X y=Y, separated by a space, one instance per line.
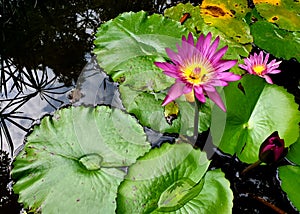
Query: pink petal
x=228 y=76
x=175 y=91
x=274 y=71
x=169 y=69
x=215 y=97
x=266 y=59
x=225 y=65
x=173 y=56
x=213 y=48
x=268 y=79
x=206 y=44
x=191 y=39
x=218 y=55
x=199 y=94
x=199 y=43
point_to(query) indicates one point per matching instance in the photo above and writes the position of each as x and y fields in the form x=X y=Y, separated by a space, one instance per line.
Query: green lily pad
x=255 y=109
x=290 y=183
x=133 y=35
x=72 y=161
x=196 y=24
x=294 y=152
x=284 y=13
x=173 y=179
x=147 y=108
x=281 y=43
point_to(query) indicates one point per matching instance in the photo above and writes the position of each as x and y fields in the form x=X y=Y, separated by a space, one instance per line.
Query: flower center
x=195 y=74
x=259 y=69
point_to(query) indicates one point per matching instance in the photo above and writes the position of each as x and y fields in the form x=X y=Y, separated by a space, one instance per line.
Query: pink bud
x=272 y=149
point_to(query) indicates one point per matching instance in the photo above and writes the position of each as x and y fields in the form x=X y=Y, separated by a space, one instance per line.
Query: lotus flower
x=272 y=149
x=198 y=69
x=258 y=65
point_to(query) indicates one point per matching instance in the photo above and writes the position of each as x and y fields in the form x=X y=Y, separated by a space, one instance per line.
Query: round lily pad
x=279 y=42
x=72 y=161
x=284 y=13
x=255 y=109
x=174 y=179
x=290 y=183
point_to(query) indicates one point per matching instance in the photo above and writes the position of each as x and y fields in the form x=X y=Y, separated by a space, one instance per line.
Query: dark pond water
x=47 y=62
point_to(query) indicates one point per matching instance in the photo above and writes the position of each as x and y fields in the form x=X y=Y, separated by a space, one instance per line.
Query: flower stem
x=251 y=167
x=196 y=121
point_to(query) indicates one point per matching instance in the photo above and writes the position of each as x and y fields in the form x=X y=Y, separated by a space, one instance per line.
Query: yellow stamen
x=259 y=69
x=194 y=74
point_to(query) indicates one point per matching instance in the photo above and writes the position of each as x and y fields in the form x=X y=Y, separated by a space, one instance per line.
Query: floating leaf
x=227 y=16
x=282 y=12
x=72 y=161
x=290 y=183
x=255 y=110
x=173 y=179
x=196 y=24
x=294 y=152
x=147 y=108
x=280 y=43
x=127 y=48
x=132 y=35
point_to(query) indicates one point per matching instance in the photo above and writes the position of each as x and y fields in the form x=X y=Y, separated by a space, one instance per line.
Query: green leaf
x=294 y=152
x=283 y=13
x=290 y=183
x=147 y=108
x=72 y=161
x=173 y=179
x=279 y=42
x=196 y=24
x=132 y=35
x=255 y=109
x=227 y=16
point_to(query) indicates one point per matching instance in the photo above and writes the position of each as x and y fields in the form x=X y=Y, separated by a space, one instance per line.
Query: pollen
x=259 y=69
x=194 y=74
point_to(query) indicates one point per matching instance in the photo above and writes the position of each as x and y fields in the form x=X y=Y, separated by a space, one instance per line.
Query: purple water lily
x=258 y=65
x=198 y=69
x=272 y=149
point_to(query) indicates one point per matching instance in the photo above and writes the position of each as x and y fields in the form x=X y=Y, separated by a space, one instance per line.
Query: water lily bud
x=272 y=149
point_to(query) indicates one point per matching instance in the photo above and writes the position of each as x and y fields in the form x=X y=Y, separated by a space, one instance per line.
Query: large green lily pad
x=255 y=109
x=133 y=35
x=281 y=43
x=284 y=13
x=72 y=162
x=174 y=179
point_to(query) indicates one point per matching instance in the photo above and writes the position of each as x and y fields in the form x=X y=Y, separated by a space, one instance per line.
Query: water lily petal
x=215 y=97
x=175 y=91
x=268 y=79
x=199 y=94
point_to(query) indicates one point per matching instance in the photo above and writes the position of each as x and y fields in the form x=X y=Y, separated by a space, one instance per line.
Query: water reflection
x=45 y=45
x=38 y=92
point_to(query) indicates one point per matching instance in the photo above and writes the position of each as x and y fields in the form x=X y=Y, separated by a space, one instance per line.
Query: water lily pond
x=150 y=107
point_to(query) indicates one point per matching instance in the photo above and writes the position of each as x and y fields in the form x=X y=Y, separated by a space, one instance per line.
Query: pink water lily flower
x=258 y=65
x=198 y=68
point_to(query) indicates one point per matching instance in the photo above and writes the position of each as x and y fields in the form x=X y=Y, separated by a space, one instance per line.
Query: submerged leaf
x=72 y=161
